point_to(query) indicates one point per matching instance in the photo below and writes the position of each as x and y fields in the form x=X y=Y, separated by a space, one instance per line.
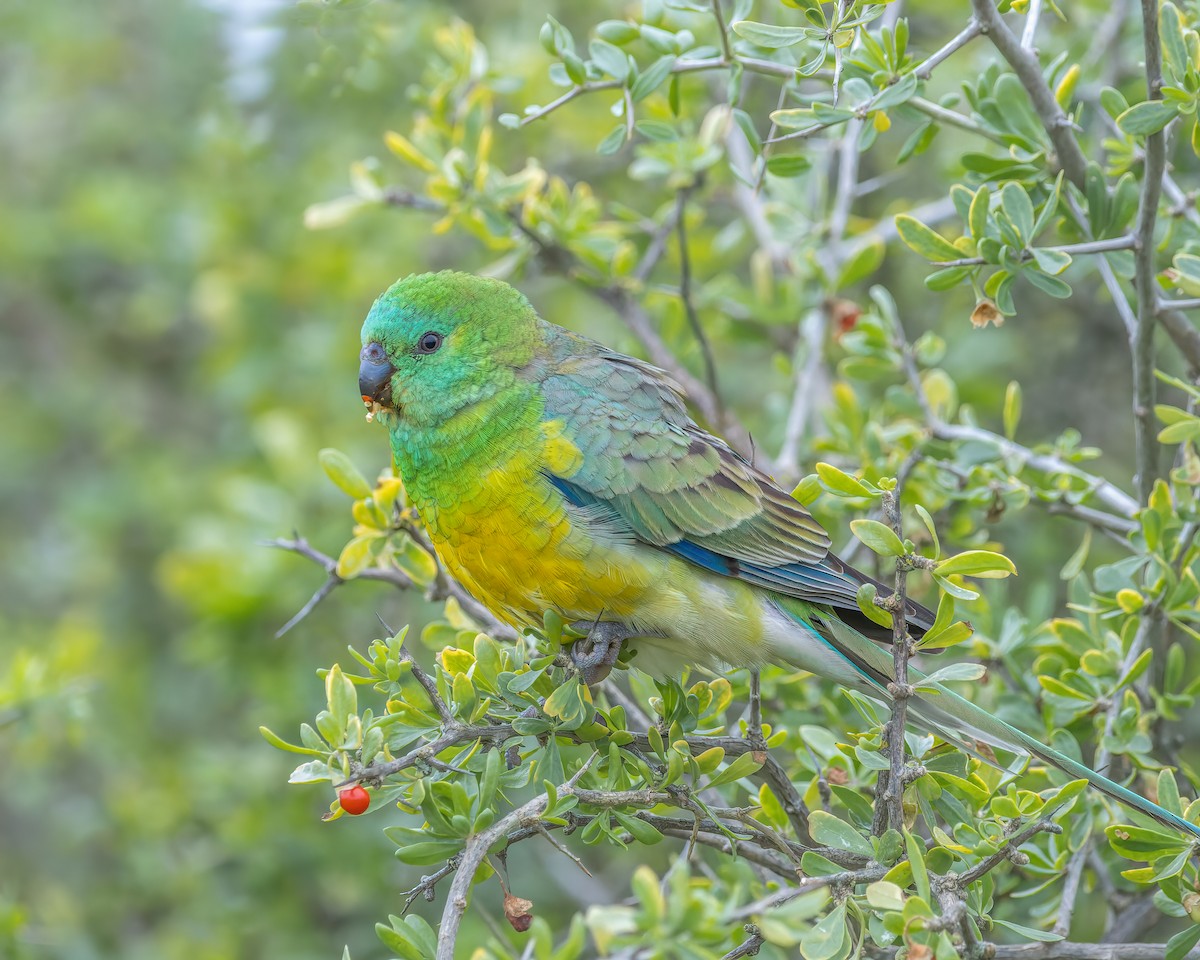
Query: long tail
x=943 y=713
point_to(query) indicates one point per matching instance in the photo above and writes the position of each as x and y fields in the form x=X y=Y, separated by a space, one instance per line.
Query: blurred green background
x=175 y=348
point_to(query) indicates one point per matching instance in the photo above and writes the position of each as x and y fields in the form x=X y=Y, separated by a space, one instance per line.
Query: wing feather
x=682 y=489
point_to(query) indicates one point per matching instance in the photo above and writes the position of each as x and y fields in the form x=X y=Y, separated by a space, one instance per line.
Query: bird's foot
x=596 y=654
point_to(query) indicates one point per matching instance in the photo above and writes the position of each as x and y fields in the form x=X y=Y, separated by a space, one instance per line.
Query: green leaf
x=613 y=141
x=916 y=860
x=1181 y=944
x=656 y=130
x=1171 y=33
x=899 y=92
x=1029 y=933
x=1012 y=408
x=978 y=216
x=883 y=895
x=928 y=521
x=651 y=78
x=788 y=164
x=1055 y=287
x=571 y=704
x=976 y=563
x=879 y=537
x=639 y=829
x=769 y=35
x=1143 y=843
x=796 y=118
x=342 y=471
x=862 y=262
x=617 y=31
x=1147 y=117
x=1187 y=270
x=742 y=766
x=826 y=940
x=355 y=556
x=947 y=636
x=1052 y=262
x=924 y=241
x=612 y=60
x=830 y=831
x=1014 y=201
x=427 y=852
x=841 y=483
x=340 y=695
x=400 y=942
x=280 y=744
x=952 y=588
x=954 y=671
x=1075 y=562
x=871 y=610
x=807 y=490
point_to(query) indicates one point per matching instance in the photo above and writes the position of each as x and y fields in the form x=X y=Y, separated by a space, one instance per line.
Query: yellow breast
x=509 y=536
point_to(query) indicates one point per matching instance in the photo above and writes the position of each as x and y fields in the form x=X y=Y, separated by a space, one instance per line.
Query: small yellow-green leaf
x=1012 y=408
x=841 y=483
x=976 y=563
x=742 y=766
x=342 y=471
x=879 y=537
x=1130 y=600
x=355 y=556
x=925 y=241
x=402 y=147
x=808 y=489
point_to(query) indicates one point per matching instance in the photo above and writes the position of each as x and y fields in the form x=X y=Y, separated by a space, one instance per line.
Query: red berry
x=354 y=800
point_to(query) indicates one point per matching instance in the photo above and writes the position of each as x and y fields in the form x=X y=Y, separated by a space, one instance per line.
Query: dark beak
x=375 y=375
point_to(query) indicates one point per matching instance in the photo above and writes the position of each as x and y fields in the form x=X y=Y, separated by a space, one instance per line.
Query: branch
x=1025 y=65
x=1029 y=34
x=1142 y=341
x=685 y=294
x=1006 y=851
x=1091 y=246
x=1128 y=242
x=1111 y=496
x=955 y=119
x=1074 y=872
x=443 y=587
x=1064 y=950
x=900 y=688
x=968 y=33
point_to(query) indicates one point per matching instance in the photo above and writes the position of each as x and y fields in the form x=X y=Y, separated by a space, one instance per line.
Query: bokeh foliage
x=177 y=347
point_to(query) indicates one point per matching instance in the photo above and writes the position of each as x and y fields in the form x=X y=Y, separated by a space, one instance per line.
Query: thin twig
x=1128 y=242
x=324 y=590
x=1006 y=850
x=472 y=856
x=1032 y=15
x=968 y=33
x=748 y=947
x=1142 y=342
x=689 y=306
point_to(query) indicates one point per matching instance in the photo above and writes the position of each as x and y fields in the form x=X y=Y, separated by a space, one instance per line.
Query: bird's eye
x=429 y=342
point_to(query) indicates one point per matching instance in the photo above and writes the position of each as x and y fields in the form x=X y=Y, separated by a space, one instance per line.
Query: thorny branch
x=899 y=688
x=1142 y=341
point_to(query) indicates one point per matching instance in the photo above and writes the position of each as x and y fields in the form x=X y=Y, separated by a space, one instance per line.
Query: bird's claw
x=596 y=654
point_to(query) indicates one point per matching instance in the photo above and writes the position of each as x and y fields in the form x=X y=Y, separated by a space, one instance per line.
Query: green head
x=436 y=342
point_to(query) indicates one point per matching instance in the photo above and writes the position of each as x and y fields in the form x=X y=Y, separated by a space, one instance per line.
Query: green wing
x=667 y=479
x=651 y=473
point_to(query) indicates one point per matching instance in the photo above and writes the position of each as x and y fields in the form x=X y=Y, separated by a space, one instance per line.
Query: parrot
x=552 y=473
